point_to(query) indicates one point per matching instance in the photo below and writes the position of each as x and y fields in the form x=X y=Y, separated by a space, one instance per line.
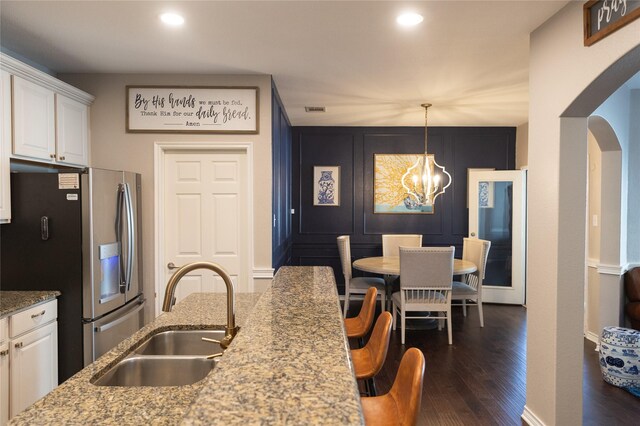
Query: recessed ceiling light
x=172 y=19
x=409 y=19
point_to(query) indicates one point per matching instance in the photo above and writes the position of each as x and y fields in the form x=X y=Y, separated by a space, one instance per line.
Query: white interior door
x=497 y=212
x=205 y=218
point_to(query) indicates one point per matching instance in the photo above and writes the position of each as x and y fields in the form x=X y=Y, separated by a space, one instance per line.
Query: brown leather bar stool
x=402 y=404
x=368 y=361
x=358 y=327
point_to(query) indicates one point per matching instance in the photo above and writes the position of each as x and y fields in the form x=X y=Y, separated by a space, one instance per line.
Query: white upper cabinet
x=72 y=140
x=5 y=146
x=49 y=118
x=34 y=132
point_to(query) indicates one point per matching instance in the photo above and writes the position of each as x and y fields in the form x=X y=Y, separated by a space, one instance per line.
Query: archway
x=564 y=93
x=604 y=218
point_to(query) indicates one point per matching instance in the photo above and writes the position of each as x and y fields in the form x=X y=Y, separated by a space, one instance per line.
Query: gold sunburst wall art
x=389 y=196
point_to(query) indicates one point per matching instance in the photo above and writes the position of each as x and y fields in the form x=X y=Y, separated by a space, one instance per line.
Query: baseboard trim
x=530 y=418
x=593 y=337
x=263 y=273
x=605 y=269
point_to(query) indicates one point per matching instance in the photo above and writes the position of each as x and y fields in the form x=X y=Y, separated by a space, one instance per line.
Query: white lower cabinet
x=29 y=358
x=34 y=366
x=4 y=371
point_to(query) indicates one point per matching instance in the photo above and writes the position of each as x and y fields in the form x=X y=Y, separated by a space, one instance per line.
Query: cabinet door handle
x=62 y=158
x=4 y=353
x=38 y=314
x=18 y=345
x=52 y=156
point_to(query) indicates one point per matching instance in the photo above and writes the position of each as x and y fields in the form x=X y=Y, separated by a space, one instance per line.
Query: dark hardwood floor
x=480 y=379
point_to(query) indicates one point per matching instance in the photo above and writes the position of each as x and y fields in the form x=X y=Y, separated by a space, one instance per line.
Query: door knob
x=170 y=265
x=473 y=234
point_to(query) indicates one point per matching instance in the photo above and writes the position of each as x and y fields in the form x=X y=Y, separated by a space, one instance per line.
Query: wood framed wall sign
x=602 y=17
x=192 y=109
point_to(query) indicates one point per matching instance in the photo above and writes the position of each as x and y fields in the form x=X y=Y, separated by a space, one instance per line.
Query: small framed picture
x=326 y=186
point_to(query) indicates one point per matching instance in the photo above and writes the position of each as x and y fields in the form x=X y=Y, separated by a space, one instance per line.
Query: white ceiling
x=468 y=58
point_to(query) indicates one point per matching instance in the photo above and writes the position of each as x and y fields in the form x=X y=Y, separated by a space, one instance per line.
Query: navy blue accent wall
x=352 y=148
x=281 y=207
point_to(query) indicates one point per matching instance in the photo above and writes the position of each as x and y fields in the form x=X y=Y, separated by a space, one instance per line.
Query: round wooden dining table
x=389 y=266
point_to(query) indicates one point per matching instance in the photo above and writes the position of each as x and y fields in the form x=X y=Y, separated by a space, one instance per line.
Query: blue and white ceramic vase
x=620 y=356
x=326 y=188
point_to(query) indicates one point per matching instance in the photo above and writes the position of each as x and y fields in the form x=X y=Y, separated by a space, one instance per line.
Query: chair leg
x=480 y=313
x=464 y=307
x=383 y=302
x=372 y=387
x=449 y=331
x=395 y=315
x=402 y=324
x=346 y=304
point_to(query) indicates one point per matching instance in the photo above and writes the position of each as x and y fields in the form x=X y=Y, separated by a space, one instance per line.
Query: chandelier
x=425 y=180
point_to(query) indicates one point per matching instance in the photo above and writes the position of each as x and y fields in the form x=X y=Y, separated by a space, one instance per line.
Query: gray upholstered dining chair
x=357 y=285
x=469 y=290
x=391 y=243
x=425 y=286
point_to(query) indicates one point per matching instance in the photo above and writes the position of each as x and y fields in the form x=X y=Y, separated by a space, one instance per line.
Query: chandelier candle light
x=423 y=181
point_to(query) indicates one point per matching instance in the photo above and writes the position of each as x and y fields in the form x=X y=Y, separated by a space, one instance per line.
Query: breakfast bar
x=289 y=364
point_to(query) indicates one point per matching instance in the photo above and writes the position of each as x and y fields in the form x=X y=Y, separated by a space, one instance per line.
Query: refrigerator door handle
x=131 y=235
x=119 y=207
x=125 y=317
x=44 y=228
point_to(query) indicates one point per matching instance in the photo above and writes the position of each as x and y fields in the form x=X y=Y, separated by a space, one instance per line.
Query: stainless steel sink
x=182 y=342
x=137 y=370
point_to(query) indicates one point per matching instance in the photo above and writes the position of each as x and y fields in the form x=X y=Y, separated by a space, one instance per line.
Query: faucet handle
x=206 y=339
x=218 y=355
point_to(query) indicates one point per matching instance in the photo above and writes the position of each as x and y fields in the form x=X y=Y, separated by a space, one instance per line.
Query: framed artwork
x=488 y=189
x=326 y=186
x=485 y=195
x=389 y=196
x=192 y=109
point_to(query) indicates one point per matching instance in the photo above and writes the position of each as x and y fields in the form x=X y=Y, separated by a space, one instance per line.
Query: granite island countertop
x=14 y=301
x=289 y=364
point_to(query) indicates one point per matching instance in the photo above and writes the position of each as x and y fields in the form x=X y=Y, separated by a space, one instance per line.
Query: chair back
x=477 y=251
x=344 y=248
x=378 y=343
x=359 y=326
x=391 y=243
x=407 y=387
x=428 y=267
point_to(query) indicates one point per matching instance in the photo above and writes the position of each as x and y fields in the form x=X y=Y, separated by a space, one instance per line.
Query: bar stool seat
x=402 y=404
x=368 y=361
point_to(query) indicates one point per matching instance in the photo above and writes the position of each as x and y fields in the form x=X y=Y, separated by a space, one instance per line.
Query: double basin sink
x=168 y=358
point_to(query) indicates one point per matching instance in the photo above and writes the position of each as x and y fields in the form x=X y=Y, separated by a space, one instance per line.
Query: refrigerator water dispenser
x=109 y=271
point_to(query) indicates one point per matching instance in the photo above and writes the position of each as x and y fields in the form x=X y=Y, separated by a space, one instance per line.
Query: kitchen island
x=289 y=364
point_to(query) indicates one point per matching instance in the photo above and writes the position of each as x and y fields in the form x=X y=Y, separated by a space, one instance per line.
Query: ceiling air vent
x=314 y=109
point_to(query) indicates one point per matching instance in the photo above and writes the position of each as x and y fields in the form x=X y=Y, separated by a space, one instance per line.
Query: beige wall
x=112 y=147
x=522 y=145
x=561 y=69
x=592 y=305
x=595 y=176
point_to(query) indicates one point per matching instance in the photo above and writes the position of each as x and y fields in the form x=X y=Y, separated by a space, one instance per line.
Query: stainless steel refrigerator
x=78 y=232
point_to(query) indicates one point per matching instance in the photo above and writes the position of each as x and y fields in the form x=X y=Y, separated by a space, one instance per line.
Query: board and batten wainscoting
x=352 y=148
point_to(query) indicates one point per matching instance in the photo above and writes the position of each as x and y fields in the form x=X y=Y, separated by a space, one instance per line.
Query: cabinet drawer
x=4 y=330
x=33 y=317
